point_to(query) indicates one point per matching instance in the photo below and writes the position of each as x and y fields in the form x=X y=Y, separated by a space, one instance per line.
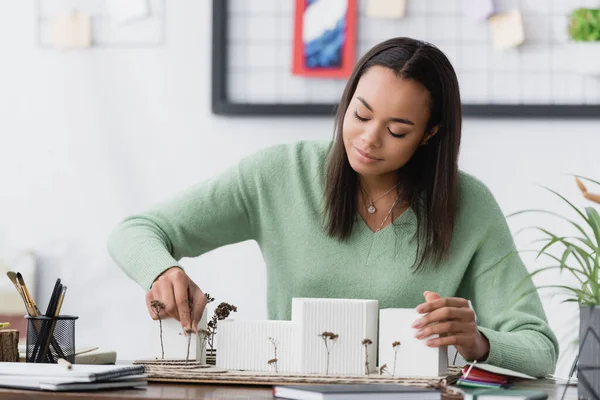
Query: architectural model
x=330 y=337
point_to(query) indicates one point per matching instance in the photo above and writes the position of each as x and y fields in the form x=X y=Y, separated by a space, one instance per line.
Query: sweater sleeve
x=515 y=325
x=213 y=213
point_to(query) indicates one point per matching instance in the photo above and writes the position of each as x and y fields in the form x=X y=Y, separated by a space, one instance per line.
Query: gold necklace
x=379 y=229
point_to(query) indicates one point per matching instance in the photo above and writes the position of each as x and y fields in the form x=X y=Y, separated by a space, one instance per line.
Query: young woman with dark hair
x=380 y=212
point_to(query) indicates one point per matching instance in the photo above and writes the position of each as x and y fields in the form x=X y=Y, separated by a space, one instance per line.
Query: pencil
x=64 y=363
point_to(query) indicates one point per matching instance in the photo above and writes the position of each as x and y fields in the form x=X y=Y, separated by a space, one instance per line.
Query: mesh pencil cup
x=50 y=338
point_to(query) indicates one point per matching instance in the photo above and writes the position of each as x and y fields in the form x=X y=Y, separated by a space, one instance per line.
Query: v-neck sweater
x=276 y=197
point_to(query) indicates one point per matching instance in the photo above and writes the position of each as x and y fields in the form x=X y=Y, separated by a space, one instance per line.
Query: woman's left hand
x=454 y=321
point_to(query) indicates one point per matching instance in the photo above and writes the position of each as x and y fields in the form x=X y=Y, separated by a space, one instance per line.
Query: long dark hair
x=429 y=178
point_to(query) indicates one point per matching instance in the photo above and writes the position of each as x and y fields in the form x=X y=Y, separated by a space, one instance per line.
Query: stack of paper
x=56 y=377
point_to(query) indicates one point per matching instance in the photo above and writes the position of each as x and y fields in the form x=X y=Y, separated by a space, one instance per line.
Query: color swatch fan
x=489 y=376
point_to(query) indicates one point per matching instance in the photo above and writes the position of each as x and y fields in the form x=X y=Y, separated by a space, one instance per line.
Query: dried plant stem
x=328 y=338
x=189 y=332
x=274 y=360
x=366 y=343
x=157 y=306
x=396 y=347
x=204 y=336
x=189 y=342
x=162 y=345
x=221 y=312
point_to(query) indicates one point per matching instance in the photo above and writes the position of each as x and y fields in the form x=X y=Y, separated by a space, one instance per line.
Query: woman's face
x=385 y=122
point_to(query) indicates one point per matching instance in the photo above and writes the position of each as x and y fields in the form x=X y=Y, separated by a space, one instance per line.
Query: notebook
x=82 y=377
x=355 y=391
x=52 y=384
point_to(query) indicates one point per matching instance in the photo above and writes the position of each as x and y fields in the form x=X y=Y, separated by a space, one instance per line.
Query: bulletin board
x=252 y=57
x=106 y=30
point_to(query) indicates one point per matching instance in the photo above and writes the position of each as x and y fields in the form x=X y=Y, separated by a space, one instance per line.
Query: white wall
x=89 y=137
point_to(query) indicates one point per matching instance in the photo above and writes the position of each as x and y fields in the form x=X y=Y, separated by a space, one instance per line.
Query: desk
x=178 y=391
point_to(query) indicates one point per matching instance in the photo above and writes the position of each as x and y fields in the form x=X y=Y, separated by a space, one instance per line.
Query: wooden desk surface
x=177 y=391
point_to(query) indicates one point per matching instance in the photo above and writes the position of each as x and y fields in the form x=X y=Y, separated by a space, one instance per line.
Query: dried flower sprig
x=157 y=306
x=204 y=334
x=329 y=339
x=273 y=361
x=396 y=347
x=383 y=369
x=366 y=343
x=189 y=331
x=221 y=312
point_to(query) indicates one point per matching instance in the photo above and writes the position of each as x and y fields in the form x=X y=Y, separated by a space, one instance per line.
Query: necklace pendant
x=371 y=209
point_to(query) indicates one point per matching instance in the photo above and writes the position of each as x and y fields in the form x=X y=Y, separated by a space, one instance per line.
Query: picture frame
x=326 y=53
x=222 y=105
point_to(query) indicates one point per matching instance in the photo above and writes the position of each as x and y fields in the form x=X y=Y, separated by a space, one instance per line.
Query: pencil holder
x=50 y=338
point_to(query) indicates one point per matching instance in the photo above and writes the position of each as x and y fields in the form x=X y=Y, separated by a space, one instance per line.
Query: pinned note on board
x=124 y=11
x=72 y=30
x=386 y=8
x=507 y=30
x=478 y=9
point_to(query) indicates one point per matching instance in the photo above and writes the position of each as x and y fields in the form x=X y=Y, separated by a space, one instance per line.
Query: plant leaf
x=533 y=210
x=568 y=202
x=594 y=222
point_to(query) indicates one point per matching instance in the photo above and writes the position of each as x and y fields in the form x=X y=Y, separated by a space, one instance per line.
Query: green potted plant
x=584 y=30
x=579 y=256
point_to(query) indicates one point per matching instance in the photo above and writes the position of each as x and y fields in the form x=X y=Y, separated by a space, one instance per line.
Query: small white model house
x=411 y=357
x=352 y=320
x=330 y=336
x=250 y=345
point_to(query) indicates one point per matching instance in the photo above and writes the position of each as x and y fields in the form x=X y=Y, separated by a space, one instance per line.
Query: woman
x=382 y=212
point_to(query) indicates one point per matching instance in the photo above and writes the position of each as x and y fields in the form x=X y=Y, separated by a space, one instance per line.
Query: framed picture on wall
x=324 y=38
x=291 y=58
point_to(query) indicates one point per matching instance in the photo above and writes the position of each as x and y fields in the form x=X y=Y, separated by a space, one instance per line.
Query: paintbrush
x=32 y=304
x=13 y=278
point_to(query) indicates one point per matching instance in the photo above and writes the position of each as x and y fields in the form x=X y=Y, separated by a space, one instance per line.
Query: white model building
x=411 y=356
x=250 y=345
x=303 y=349
x=352 y=320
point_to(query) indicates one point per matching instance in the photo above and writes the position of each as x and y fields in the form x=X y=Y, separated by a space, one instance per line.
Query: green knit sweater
x=276 y=198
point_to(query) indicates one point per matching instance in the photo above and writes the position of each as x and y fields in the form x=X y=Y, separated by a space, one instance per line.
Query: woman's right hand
x=182 y=298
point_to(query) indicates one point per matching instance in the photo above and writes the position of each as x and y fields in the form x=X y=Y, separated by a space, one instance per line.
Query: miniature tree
x=204 y=334
x=366 y=343
x=329 y=339
x=189 y=331
x=383 y=369
x=209 y=299
x=157 y=306
x=396 y=346
x=273 y=361
x=221 y=312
